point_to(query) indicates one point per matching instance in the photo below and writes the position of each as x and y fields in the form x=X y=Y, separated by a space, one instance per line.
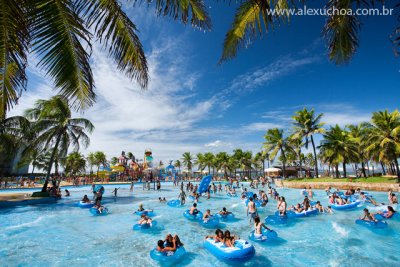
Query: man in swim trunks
x=251 y=209
x=182 y=197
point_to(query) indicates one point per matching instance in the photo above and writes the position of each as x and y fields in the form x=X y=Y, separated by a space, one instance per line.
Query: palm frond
x=14 y=43
x=118 y=33
x=341 y=32
x=63 y=42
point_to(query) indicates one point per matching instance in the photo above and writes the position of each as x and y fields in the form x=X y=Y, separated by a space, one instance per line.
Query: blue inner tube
x=145 y=212
x=212 y=222
x=85 y=205
x=276 y=219
x=168 y=256
x=174 y=203
x=294 y=214
x=267 y=235
x=242 y=251
x=380 y=217
x=144 y=226
x=227 y=217
x=198 y=216
x=372 y=225
x=96 y=212
x=249 y=194
x=257 y=202
x=346 y=206
x=205 y=182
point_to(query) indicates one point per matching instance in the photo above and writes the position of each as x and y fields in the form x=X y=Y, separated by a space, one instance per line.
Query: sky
x=193 y=104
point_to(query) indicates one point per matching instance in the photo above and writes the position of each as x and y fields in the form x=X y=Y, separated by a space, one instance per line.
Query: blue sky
x=193 y=104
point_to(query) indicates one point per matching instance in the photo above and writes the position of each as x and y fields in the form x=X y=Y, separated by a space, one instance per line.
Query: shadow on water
x=354 y=242
x=188 y=258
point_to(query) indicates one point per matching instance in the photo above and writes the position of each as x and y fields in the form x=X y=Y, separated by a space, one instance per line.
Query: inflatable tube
x=198 y=216
x=145 y=212
x=231 y=195
x=174 y=203
x=85 y=205
x=295 y=214
x=276 y=219
x=242 y=251
x=249 y=194
x=227 y=217
x=96 y=212
x=168 y=256
x=267 y=235
x=372 y=225
x=257 y=202
x=212 y=222
x=346 y=206
x=98 y=188
x=380 y=217
x=205 y=182
x=146 y=226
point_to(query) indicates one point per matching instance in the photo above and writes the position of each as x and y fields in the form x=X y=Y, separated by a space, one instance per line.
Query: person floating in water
x=207 y=216
x=194 y=210
x=144 y=219
x=224 y=211
x=368 y=216
x=162 y=199
x=85 y=199
x=258 y=225
x=218 y=237
x=67 y=194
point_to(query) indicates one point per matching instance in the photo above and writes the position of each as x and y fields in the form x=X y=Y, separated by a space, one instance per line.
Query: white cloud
x=216 y=143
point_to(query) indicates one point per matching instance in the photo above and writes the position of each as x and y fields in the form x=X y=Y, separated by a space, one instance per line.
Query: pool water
x=63 y=234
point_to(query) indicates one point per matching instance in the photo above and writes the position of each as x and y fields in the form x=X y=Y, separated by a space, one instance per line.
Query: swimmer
x=182 y=197
x=218 y=237
x=251 y=209
x=329 y=210
x=207 y=216
x=368 y=216
x=258 y=225
x=145 y=220
x=224 y=211
x=194 y=210
x=387 y=214
x=319 y=207
x=67 y=194
x=85 y=199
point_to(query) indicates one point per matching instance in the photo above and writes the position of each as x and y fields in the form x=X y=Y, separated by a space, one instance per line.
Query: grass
x=356 y=180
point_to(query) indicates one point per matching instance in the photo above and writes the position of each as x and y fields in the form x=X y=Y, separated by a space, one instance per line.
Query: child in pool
x=368 y=216
x=218 y=237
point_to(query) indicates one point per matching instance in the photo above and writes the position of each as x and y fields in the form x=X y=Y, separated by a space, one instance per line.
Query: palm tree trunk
x=337 y=170
x=283 y=163
x=344 y=169
x=301 y=168
x=368 y=168
x=363 y=169
x=263 y=169
x=53 y=154
x=396 y=164
x=315 y=157
x=383 y=168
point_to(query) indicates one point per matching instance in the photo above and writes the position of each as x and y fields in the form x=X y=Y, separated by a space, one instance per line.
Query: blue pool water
x=65 y=235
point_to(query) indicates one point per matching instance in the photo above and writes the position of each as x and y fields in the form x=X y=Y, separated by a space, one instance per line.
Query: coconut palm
x=187 y=161
x=358 y=134
x=259 y=160
x=178 y=164
x=56 y=130
x=208 y=160
x=339 y=146
x=296 y=143
x=75 y=163
x=255 y=16
x=306 y=124
x=60 y=34
x=384 y=132
x=114 y=160
x=275 y=143
x=200 y=161
x=224 y=163
x=100 y=159
x=91 y=160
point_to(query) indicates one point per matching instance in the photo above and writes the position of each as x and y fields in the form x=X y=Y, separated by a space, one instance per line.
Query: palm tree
x=255 y=16
x=259 y=160
x=56 y=130
x=91 y=161
x=296 y=143
x=358 y=134
x=200 y=161
x=208 y=160
x=275 y=143
x=114 y=160
x=384 y=132
x=187 y=160
x=306 y=124
x=340 y=147
x=178 y=164
x=100 y=159
x=224 y=163
x=75 y=163
x=60 y=34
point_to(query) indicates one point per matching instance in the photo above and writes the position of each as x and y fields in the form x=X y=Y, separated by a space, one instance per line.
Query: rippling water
x=65 y=235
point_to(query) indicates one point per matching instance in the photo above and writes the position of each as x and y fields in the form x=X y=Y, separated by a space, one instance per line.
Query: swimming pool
x=65 y=235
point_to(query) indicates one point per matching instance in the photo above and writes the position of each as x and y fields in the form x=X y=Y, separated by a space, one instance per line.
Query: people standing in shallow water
x=251 y=209
x=282 y=206
x=67 y=194
x=115 y=191
x=182 y=197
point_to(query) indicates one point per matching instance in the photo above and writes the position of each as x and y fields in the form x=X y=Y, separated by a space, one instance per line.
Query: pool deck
x=340 y=185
